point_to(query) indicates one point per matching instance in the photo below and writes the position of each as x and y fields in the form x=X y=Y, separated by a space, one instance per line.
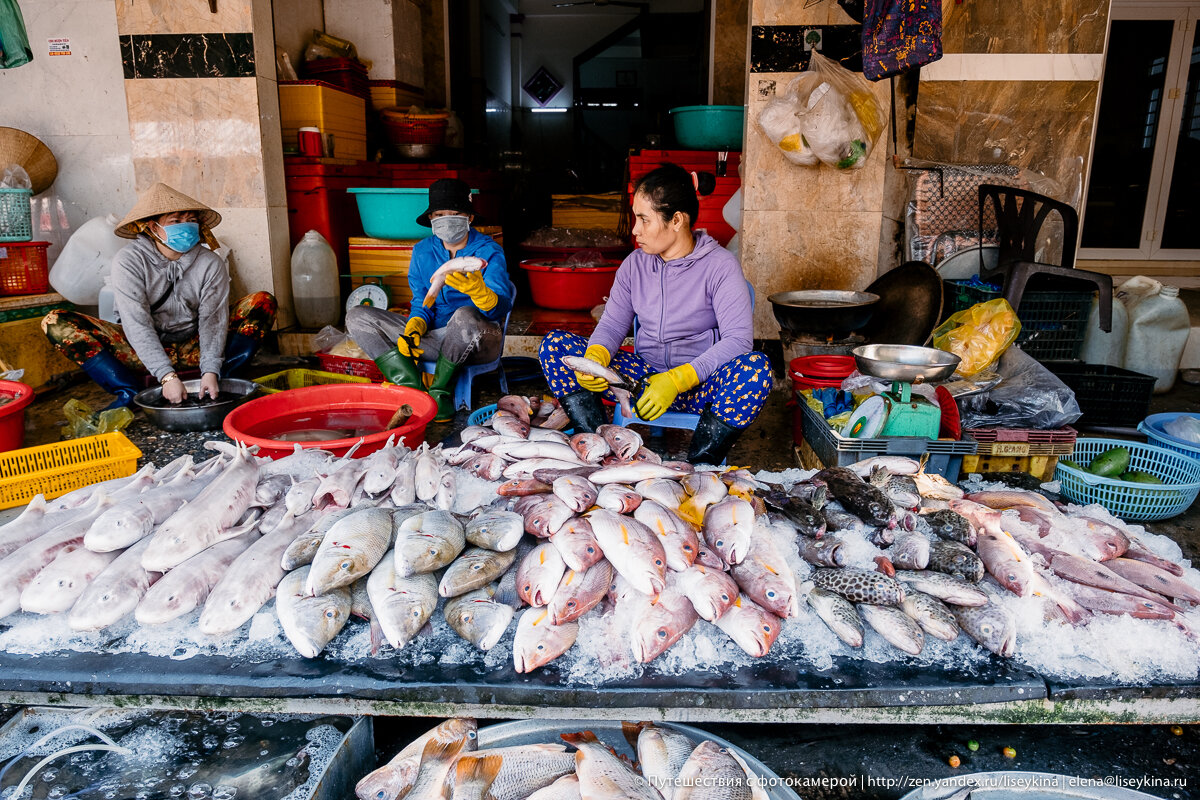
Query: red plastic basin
x=556 y=285
x=12 y=414
x=336 y=406
x=820 y=372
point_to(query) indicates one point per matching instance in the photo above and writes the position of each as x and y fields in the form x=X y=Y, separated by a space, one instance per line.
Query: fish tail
x=442 y=751
x=631 y=731
x=583 y=737
x=478 y=771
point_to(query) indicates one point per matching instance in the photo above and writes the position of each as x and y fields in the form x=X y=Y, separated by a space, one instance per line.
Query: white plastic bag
x=782 y=126
x=86 y=259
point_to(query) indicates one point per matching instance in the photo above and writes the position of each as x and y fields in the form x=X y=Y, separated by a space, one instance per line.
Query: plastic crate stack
x=23 y=266
x=1019 y=450
x=710 y=218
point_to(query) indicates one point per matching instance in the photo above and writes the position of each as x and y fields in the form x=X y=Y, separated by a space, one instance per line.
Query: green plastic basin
x=709 y=127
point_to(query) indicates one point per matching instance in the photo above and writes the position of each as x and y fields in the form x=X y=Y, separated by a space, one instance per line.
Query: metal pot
x=204 y=416
x=417 y=151
x=823 y=311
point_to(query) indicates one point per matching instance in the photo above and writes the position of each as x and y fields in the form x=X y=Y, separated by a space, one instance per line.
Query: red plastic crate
x=1065 y=435
x=318 y=201
x=23 y=268
x=342 y=365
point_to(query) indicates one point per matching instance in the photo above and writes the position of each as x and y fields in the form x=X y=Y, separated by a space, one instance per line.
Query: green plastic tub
x=389 y=213
x=709 y=127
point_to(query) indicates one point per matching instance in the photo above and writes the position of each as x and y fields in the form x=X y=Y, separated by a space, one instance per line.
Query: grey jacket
x=198 y=303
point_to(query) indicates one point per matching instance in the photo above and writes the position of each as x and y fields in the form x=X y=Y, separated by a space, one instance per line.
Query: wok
x=823 y=311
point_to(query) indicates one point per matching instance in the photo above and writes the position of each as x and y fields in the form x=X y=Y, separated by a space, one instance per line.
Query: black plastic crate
x=1053 y=323
x=1108 y=396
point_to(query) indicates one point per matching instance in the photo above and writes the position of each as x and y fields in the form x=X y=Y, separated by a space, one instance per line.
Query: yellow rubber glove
x=471 y=284
x=662 y=389
x=409 y=343
x=601 y=356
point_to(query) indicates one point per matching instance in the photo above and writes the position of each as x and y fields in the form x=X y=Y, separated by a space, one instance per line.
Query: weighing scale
x=899 y=412
x=369 y=294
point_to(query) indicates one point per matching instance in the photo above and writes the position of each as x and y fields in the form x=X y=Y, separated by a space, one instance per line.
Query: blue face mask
x=181 y=236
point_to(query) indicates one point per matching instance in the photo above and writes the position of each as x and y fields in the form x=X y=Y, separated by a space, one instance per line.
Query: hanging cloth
x=14 y=41
x=900 y=34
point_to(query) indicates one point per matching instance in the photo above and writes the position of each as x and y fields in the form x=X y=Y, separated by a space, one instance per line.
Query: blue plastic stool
x=467 y=373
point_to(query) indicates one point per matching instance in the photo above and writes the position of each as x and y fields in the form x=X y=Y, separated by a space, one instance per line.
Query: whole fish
x=580 y=592
x=545 y=515
x=540 y=574
x=950 y=525
x=910 y=550
x=473 y=432
x=1151 y=577
x=618 y=498
x=565 y=788
x=838 y=519
x=824 y=552
x=954 y=591
x=32 y=522
x=752 y=628
x=838 y=614
x=659 y=624
x=517 y=405
x=404 y=490
x=1103 y=541
x=1001 y=555
x=496 y=530
x=634 y=472
x=426 y=472
x=270 y=490
x=662 y=752
x=447 y=491
x=115 y=592
x=248 y=583
x=900 y=489
x=936 y=487
x=186 y=587
x=428 y=542
x=896 y=465
x=478 y=618
x=301 y=464
x=603 y=776
x=712 y=773
x=474 y=568
x=1090 y=573
x=549 y=475
x=379 y=473
x=703 y=489
x=507 y=424
x=396 y=778
x=539 y=641
x=1106 y=602
x=510 y=773
x=523 y=470
x=537 y=434
x=486 y=466
x=624 y=442
x=461 y=455
x=57 y=586
x=805 y=517
x=590 y=447
x=577 y=493
x=729 y=528
x=1139 y=552
x=678 y=538
x=860 y=585
x=741 y=483
x=646 y=454
x=310 y=622
x=955 y=559
x=900 y=630
x=765 y=577
x=711 y=591
x=435 y=767
x=122 y=525
x=989 y=625
x=304 y=547
x=576 y=543
x=402 y=605
x=523 y=487
x=633 y=550
x=931 y=614
x=1012 y=499
x=861 y=498
x=337 y=488
x=461 y=265
x=522 y=449
x=668 y=493
x=707 y=557
x=299 y=497
x=350 y=550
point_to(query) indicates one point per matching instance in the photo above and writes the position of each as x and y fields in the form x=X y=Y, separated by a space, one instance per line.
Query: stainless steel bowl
x=902 y=362
x=823 y=311
x=184 y=418
x=417 y=151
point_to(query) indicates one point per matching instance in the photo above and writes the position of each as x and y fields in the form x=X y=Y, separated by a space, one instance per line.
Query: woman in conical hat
x=172 y=297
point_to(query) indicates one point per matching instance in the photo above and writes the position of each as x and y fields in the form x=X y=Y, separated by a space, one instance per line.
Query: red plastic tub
x=554 y=284
x=816 y=372
x=12 y=414
x=332 y=406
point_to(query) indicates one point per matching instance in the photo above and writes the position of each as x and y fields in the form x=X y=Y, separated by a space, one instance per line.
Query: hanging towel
x=900 y=34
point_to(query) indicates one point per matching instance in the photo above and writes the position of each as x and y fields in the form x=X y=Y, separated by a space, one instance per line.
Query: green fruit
x=1110 y=463
x=1141 y=477
x=1066 y=462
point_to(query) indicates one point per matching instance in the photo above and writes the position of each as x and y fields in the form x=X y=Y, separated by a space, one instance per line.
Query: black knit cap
x=447 y=194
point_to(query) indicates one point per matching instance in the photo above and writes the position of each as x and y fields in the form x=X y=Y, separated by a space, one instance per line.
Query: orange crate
x=23 y=268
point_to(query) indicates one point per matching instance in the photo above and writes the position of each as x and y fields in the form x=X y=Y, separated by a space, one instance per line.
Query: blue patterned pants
x=736 y=392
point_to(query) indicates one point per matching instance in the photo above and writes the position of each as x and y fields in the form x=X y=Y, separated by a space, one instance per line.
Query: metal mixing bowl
x=205 y=417
x=823 y=311
x=901 y=362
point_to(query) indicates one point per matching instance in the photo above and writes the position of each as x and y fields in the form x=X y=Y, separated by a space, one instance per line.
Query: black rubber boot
x=113 y=377
x=400 y=370
x=712 y=439
x=442 y=389
x=585 y=411
x=238 y=352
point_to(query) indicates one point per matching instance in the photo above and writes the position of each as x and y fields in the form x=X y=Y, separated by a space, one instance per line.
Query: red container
x=554 y=284
x=343 y=365
x=820 y=372
x=317 y=201
x=23 y=268
x=330 y=406
x=12 y=414
x=344 y=73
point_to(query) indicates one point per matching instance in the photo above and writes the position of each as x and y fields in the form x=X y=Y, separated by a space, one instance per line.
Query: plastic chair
x=1020 y=216
x=467 y=373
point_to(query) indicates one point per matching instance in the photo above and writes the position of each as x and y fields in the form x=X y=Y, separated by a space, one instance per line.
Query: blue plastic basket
x=16 y=215
x=1153 y=427
x=481 y=416
x=1128 y=500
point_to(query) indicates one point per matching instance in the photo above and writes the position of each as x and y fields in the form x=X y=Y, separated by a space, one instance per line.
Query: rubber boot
x=400 y=369
x=442 y=389
x=712 y=439
x=585 y=410
x=113 y=377
x=238 y=351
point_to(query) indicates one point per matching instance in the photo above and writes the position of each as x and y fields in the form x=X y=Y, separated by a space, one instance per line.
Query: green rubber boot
x=400 y=370
x=442 y=389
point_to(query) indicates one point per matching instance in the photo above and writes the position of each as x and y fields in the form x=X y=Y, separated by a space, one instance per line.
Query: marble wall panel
x=729 y=52
x=791 y=12
x=1040 y=26
x=194 y=16
x=188 y=55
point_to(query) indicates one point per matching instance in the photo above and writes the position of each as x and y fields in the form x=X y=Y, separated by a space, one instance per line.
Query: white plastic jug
x=108 y=304
x=315 y=282
x=1158 y=332
x=86 y=260
x=1106 y=348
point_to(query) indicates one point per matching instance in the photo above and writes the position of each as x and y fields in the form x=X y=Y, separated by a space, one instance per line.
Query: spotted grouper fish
x=860 y=585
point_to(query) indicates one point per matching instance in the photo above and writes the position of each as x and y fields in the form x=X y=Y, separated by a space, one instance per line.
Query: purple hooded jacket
x=694 y=309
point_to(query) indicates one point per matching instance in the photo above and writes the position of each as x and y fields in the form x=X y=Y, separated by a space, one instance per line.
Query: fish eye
x=720 y=543
x=687 y=548
x=433 y=551
x=986 y=629
x=570 y=604
x=662 y=633
x=416 y=613
x=330 y=614
x=771 y=594
x=541 y=647
x=591 y=550
x=347 y=564
x=724 y=595
x=466 y=617
x=381 y=794
x=477 y=566
x=658 y=562
x=471 y=735
x=766 y=628
x=528 y=587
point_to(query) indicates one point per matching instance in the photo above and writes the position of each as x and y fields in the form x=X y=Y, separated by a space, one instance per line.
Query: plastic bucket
x=553 y=284
x=256 y=421
x=12 y=414
x=709 y=127
x=1152 y=426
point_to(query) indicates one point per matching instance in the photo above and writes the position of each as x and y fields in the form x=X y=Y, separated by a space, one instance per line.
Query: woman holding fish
x=461 y=296
x=694 y=332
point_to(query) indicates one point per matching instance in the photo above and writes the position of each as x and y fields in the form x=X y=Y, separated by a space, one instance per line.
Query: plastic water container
x=315 y=282
x=86 y=260
x=1158 y=332
x=1106 y=348
x=108 y=304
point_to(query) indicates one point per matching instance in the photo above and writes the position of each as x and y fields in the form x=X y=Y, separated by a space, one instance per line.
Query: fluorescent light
x=548 y=110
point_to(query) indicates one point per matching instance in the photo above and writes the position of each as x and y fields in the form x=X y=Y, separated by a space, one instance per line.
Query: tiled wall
x=387 y=33
x=204 y=117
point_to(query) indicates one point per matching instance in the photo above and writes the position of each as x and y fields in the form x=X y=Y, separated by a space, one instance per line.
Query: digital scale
x=899 y=412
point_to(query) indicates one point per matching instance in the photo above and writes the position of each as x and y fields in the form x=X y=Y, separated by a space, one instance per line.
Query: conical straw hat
x=161 y=199
x=19 y=147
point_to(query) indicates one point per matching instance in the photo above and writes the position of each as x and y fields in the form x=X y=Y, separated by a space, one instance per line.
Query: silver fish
x=426 y=473
x=576 y=492
x=633 y=550
x=931 y=614
x=619 y=498
x=537 y=434
x=350 y=550
x=186 y=587
x=710 y=591
x=337 y=488
x=712 y=773
x=473 y=432
x=404 y=490
x=522 y=449
x=633 y=473
x=379 y=474
x=679 y=540
x=496 y=530
x=32 y=523
x=507 y=424
x=402 y=605
x=510 y=773
x=395 y=779
x=539 y=641
x=446 y=492
x=703 y=489
x=124 y=524
x=115 y=592
x=662 y=752
x=539 y=574
x=565 y=788
x=729 y=527
x=310 y=622
x=838 y=614
x=579 y=592
x=944 y=587
x=428 y=542
x=478 y=618
x=299 y=498
x=460 y=265
x=765 y=577
x=910 y=550
x=593 y=368
x=525 y=469
x=464 y=454
x=603 y=776
x=474 y=568
x=899 y=629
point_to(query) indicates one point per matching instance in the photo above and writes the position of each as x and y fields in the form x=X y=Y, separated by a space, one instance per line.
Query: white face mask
x=451 y=230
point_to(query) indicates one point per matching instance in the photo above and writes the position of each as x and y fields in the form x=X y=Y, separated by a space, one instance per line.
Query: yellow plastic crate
x=380 y=256
x=393 y=94
x=601 y=211
x=1041 y=467
x=299 y=378
x=334 y=111
x=52 y=470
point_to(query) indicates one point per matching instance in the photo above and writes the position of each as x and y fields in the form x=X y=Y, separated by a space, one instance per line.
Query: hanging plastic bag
x=781 y=124
x=979 y=335
x=839 y=117
x=14 y=41
x=1028 y=396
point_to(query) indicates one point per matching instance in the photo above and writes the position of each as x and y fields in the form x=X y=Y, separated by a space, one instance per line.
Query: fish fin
x=819 y=498
x=440 y=751
x=632 y=730
x=576 y=739
x=480 y=771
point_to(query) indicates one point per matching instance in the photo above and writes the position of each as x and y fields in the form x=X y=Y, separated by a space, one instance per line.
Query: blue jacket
x=430 y=253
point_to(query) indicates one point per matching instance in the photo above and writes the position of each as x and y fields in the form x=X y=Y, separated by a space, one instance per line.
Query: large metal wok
x=823 y=311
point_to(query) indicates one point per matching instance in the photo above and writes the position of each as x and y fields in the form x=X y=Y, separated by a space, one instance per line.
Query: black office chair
x=1019 y=218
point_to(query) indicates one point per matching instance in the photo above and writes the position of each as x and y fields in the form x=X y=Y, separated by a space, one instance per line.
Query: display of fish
x=350 y=549
x=478 y=617
x=402 y=605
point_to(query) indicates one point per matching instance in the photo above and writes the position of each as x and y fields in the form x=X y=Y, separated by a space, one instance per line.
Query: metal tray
x=1020 y=785
x=535 y=731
